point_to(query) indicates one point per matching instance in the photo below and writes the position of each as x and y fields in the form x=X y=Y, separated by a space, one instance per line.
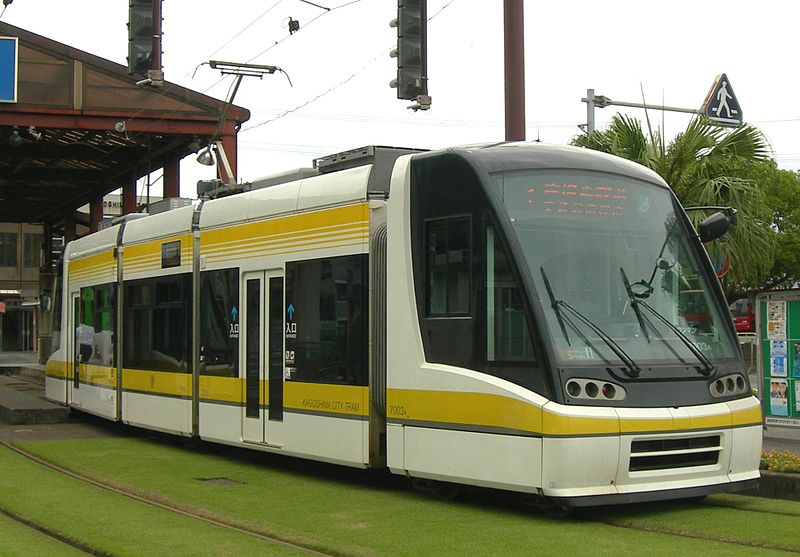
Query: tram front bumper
x=664 y=453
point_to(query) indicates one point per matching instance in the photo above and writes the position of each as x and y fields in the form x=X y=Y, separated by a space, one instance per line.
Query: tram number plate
x=395 y=410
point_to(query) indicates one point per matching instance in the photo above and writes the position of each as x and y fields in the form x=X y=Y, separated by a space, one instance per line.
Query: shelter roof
x=82 y=127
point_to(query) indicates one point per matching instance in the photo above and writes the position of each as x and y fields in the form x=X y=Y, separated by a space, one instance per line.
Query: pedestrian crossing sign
x=721 y=105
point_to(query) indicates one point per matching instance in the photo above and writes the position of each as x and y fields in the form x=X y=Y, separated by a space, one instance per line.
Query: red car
x=743 y=317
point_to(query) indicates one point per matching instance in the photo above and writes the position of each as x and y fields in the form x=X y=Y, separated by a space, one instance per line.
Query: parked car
x=743 y=317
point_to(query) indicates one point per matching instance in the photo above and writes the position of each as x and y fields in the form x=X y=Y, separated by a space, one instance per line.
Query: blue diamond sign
x=721 y=105
x=8 y=69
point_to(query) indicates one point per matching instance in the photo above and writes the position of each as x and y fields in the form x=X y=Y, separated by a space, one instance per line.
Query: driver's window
x=507 y=336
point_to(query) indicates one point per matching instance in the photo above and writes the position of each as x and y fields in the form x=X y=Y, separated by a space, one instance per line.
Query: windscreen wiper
x=634 y=304
x=708 y=366
x=643 y=322
x=555 y=305
x=632 y=370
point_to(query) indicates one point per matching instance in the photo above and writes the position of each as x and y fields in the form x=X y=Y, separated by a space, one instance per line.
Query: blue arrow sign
x=290 y=311
x=8 y=69
x=234 y=314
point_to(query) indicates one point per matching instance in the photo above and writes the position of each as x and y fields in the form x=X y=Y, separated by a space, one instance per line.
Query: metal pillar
x=589 y=111
x=514 y=43
x=172 y=179
x=129 y=198
x=226 y=159
x=69 y=229
x=95 y=213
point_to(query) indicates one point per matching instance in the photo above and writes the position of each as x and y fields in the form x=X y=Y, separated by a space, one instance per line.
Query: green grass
x=108 y=522
x=348 y=513
x=18 y=539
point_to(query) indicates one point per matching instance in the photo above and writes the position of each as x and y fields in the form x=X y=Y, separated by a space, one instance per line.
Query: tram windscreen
x=587 y=234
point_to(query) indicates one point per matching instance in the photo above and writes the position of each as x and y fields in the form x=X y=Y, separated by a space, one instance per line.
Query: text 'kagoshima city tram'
x=531 y=318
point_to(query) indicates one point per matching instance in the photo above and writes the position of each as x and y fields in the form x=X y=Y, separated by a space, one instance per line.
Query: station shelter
x=73 y=128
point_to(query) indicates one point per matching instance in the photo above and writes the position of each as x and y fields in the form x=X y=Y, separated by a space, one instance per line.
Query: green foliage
x=707 y=165
x=782 y=191
x=780 y=461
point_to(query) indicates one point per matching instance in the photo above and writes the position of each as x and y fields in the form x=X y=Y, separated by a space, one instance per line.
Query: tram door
x=262 y=356
x=73 y=379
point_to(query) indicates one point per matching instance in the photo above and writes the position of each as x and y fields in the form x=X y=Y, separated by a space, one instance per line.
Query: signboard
x=721 y=105
x=778 y=330
x=8 y=69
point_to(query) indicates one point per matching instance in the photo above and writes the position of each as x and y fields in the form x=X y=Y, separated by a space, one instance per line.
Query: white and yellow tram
x=532 y=318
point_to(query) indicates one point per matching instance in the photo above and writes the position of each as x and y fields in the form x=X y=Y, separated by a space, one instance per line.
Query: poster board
x=778 y=332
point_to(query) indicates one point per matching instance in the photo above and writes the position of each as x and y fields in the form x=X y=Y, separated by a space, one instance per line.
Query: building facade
x=20 y=260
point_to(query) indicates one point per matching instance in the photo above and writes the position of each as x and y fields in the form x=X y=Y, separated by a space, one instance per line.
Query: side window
x=158 y=320
x=326 y=320
x=447 y=266
x=98 y=313
x=219 y=323
x=8 y=249
x=508 y=338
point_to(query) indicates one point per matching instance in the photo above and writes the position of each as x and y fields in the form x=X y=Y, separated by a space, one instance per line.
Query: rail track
x=52 y=534
x=160 y=504
x=617 y=517
x=759 y=516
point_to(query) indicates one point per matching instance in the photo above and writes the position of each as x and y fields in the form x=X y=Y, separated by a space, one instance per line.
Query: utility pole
x=514 y=43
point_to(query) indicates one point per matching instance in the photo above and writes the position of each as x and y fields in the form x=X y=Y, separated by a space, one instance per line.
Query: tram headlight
x=591 y=389
x=729 y=385
x=574 y=389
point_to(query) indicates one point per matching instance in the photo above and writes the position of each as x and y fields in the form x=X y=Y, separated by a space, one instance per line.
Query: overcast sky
x=340 y=69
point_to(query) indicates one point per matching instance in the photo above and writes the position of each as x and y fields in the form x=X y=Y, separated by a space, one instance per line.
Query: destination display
x=579 y=200
x=535 y=195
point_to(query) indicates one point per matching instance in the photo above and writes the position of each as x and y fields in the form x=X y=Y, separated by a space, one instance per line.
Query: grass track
x=345 y=512
x=18 y=539
x=108 y=522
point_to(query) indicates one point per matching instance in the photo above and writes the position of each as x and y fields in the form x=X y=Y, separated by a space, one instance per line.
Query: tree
x=782 y=190
x=707 y=165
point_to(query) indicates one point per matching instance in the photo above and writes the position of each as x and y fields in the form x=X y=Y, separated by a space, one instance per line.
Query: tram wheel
x=547 y=506
x=439 y=490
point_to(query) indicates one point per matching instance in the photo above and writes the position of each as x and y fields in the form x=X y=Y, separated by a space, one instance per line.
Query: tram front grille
x=666 y=454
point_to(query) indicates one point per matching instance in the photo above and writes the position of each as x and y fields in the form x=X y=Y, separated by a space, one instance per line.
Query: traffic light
x=140 y=36
x=411 y=51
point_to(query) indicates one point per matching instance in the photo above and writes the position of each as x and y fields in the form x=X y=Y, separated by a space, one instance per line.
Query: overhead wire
x=333 y=88
x=276 y=43
x=164 y=90
x=246 y=27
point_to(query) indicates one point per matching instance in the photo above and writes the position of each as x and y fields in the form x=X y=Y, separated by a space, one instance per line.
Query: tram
x=514 y=316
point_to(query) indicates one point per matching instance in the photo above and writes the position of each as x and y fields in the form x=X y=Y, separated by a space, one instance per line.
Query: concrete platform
x=22 y=398
x=22 y=402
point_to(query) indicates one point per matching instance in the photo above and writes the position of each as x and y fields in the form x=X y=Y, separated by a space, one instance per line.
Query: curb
x=777 y=485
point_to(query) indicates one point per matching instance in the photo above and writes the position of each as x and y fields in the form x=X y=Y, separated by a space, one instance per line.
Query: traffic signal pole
x=514 y=44
x=156 y=64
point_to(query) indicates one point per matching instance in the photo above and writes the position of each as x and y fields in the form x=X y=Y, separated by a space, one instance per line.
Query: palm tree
x=706 y=165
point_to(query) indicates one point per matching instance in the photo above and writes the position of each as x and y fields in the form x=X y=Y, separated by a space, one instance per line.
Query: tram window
x=326 y=327
x=507 y=336
x=158 y=323
x=97 y=309
x=447 y=248
x=219 y=323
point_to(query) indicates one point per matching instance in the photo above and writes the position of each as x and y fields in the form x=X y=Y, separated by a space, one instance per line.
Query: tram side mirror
x=715 y=226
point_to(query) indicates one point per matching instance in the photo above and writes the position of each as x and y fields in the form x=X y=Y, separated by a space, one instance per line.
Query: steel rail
x=52 y=533
x=160 y=504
